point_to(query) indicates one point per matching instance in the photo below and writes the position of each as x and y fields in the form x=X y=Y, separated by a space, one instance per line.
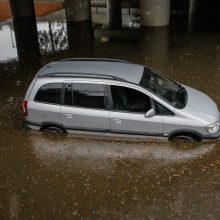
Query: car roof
x=118 y=69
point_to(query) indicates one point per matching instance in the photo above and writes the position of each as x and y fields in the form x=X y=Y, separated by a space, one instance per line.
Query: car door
x=85 y=107
x=169 y=118
x=128 y=110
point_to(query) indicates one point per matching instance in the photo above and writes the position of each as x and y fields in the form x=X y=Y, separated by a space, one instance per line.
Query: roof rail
x=95 y=59
x=82 y=75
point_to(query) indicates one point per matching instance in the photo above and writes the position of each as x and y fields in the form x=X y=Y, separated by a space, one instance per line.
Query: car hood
x=200 y=106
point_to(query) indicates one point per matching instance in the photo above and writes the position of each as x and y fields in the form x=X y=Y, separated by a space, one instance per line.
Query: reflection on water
x=77 y=148
x=7 y=42
x=13 y=207
x=155 y=42
x=52 y=37
x=26 y=36
x=79 y=177
x=80 y=38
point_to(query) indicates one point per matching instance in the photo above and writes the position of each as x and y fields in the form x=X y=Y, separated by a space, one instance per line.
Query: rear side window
x=85 y=95
x=49 y=93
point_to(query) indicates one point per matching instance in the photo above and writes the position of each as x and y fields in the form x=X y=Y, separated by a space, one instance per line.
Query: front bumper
x=213 y=136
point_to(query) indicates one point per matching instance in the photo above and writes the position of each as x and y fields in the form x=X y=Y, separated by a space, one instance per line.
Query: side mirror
x=150 y=113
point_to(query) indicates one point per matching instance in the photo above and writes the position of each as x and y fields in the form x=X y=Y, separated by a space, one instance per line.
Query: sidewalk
x=41 y=8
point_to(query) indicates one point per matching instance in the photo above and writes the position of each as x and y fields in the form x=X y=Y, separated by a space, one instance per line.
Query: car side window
x=49 y=93
x=130 y=100
x=85 y=95
x=161 y=110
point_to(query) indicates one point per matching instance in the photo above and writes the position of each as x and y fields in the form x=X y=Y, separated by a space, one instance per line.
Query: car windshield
x=168 y=90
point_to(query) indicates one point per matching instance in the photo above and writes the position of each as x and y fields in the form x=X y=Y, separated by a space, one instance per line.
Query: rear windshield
x=168 y=90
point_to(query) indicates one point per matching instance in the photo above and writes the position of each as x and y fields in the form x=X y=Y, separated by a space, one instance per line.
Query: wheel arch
x=190 y=132
x=52 y=124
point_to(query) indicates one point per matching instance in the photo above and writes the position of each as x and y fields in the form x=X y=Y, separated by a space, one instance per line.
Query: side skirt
x=108 y=134
x=117 y=135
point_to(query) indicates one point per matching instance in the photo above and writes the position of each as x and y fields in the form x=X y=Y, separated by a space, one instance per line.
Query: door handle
x=117 y=121
x=69 y=116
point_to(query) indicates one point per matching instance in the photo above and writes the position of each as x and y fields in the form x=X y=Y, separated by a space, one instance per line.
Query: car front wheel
x=185 y=138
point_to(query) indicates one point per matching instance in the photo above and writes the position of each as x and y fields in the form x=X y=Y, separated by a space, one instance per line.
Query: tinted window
x=49 y=93
x=161 y=110
x=85 y=95
x=126 y=99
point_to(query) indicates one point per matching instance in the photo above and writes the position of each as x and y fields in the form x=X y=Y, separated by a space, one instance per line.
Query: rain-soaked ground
x=48 y=176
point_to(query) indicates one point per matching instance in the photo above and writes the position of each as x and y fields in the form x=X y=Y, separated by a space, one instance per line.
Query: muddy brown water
x=49 y=176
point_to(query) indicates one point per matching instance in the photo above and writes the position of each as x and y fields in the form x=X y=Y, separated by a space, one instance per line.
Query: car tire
x=185 y=138
x=53 y=129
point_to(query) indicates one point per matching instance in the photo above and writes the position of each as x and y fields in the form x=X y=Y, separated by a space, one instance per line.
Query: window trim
x=63 y=94
x=123 y=111
x=106 y=103
x=49 y=103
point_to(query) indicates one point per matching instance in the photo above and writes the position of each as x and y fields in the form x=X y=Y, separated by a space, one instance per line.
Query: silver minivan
x=117 y=97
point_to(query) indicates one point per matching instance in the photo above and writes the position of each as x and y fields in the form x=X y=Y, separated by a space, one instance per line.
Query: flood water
x=49 y=176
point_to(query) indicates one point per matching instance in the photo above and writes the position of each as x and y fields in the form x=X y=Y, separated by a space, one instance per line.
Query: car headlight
x=213 y=128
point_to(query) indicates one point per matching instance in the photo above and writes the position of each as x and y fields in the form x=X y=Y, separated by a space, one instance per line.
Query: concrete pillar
x=22 y=9
x=114 y=15
x=155 y=13
x=78 y=10
x=196 y=13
